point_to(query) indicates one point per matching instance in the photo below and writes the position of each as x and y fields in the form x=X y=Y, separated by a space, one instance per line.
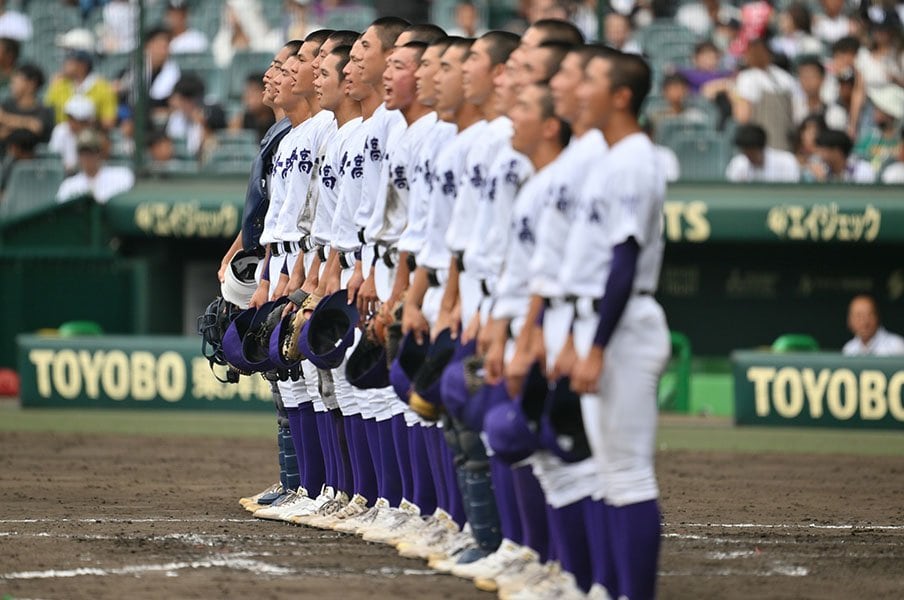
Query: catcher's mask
x=212 y=327
x=239 y=283
x=562 y=424
x=330 y=331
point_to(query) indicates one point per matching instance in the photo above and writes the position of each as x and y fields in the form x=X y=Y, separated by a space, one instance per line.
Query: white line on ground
x=783 y=526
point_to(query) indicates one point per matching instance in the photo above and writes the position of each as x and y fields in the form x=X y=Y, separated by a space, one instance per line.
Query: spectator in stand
x=242 y=28
x=584 y=16
x=94 y=178
x=755 y=18
x=24 y=110
x=617 y=32
x=9 y=58
x=546 y=9
x=20 y=146
x=702 y=17
x=878 y=142
x=161 y=71
x=186 y=113
x=119 y=31
x=870 y=338
x=675 y=91
x=881 y=62
x=299 y=19
x=213 y=120
x=763 y=95
x=668 y=160
x=160 y=148
x=835 y=163
x=759 y=163
x=808 y=97
x=805 y=140
x=893 y=174
x=184 y=39
x=255 y=114
x=796 y=38
x=832 y=24
x=14 y=25
x=77 y=77
x=79 y=117
x=706 y=68
x=467 y=20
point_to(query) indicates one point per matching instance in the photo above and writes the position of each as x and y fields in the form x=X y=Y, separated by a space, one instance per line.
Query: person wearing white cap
x=77 y=77
x=878 y=143
x=94 y=178
x=14 y=25
x=80 y=115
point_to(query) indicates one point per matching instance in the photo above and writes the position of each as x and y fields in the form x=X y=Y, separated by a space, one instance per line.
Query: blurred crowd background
x=803 y=90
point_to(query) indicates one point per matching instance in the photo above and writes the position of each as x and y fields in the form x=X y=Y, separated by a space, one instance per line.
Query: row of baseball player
x=489 y=209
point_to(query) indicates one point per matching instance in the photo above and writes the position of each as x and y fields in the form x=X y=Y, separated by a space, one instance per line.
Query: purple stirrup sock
x=568 y=533
x=433 y=444
x=600 y=542
x=325 y=432
x=532 y=511
x=313 y=474
x=551 y=553
x=402 y=452
x=351 y=442
x=373 y=452
x=343 y=455
x=389 y=466
x=424 y=489
x=506 y=504
x=295 y=430
x=635 y=531
x=454 y=502
x=367 y=486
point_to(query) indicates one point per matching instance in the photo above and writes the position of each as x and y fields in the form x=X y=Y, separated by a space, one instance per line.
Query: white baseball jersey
x=390 y=214
x=281 y=166
x=489 y=238
x=421 y=181
x=622 y=198
x=329 y=177
x=496 y=135
x=450 y=168
x=582 y=156
x=378 y=127
x=345 y=232
x=309 y=207
x=300 y=165
x=512 y=296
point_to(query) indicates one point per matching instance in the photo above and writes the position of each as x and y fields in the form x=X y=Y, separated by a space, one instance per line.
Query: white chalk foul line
x=846 y=527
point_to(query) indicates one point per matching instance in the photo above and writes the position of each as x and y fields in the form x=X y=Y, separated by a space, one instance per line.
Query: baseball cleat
x=562 y=586
x=262 y=498
x=529 y=578
x=466 y=555
x=495 y=563
x=352 y=524
x=514 y=575
x=273 y=511
x=407 y=514
x=327 y=495
x=355 y=506
x=598 y=592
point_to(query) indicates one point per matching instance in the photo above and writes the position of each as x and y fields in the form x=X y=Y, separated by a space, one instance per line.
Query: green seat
x=703 y=155
x=672 y=129
x=675 y=386
x=355 y=18
x=795 y=342
x=32 y=187
x=241 y=137
x=79 y=328
x=231 y=160
x=243 y=64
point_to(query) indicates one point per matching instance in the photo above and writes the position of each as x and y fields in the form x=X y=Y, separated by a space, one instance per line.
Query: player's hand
x=261 y=295
x=413 y=321
x=494 y=361
x=449 y=318
x=331 y=284
x=354 y=284
x=368 y=302
x=516 y=372
x=472 y=330
x=311 y=283
x=281 y=286
x=485 y=337
x=295 y=283
x=565 y=362
x=585 y=377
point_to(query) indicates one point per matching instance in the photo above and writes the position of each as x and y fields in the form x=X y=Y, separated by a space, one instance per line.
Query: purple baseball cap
x=330 y=331
x=562 y=425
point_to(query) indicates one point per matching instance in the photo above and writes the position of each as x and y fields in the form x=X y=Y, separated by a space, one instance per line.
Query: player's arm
x=587 y=371
x=227 y=258
x=528 y=348
x=283 y=282
x=312 y=277
x=412 y=317
x=330 y=281
x=262 y=293
x=449 y=304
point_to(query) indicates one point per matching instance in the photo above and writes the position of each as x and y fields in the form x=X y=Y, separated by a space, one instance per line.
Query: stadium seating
x=230 y=159
x=702 y=155
x=33 y=185
x=244 y=63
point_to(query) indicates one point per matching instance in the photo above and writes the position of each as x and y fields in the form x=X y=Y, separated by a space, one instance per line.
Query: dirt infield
x=141 y=517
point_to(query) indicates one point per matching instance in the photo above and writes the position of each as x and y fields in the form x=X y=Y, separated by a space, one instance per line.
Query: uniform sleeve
x=630 y=203
x=617 y=290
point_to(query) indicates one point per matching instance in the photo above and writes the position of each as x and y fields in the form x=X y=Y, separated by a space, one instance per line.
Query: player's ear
x=621 y=98
x=550 y=128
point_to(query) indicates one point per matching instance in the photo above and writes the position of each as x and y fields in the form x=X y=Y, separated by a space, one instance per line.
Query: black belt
x=344 y=261
x=460 y=261
x=485 y=288
x=321 y=252
x=361 y=235
x=412 y=262
x=432 y=279
x=597 y=302
x=280 y=248
x=307 y=243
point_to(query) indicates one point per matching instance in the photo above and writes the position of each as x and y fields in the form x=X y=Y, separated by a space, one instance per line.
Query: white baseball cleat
x=598 y=592
x=355 y=506
x=353 y=523
x=406 y=517
x=272 y=512
x=494 y=564
x=514 y=577
x=326 y=501
x=276 y=488
x=561 y=586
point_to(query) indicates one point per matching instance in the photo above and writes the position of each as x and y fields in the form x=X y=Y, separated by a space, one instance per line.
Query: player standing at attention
x=611 y=264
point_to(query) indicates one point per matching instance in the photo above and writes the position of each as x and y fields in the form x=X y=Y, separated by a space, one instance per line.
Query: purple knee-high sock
x=367 y=484
x=456 y=507
x=551 y=554
x=424 y=490
x=433 y=443
x=568 y=533
x=602 y=551
x=352 y=442
x=402 y=452
x=313 y=474
x=635 y=532
x=373 y=452
x=343 y=454
x=389 y=466
x=532 y=511
x=325 y=434
x=506 y=504
x=295 y=429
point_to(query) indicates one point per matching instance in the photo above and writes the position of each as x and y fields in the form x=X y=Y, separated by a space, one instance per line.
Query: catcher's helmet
x=426 y=399
x=562 y=424
x=239 y=283
x=329 y=332
x=212 y=326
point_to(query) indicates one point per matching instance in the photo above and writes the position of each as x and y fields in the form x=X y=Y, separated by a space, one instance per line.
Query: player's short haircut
x=811 y=61
x=555 y=53
x=500 y=45
x=461 y=43
x=318 y=37
x=426 y=32
x=846 y=45
x=442 y=44
x=12 y=47
x=293 y=46
x=344 y=37
x=343 y=52
x=557 y=30
x=388 y=29
x=599 y=51
x=633 y=72
x=750 y=136
x=835 y=140
x=548 y=111
x=419 y=48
